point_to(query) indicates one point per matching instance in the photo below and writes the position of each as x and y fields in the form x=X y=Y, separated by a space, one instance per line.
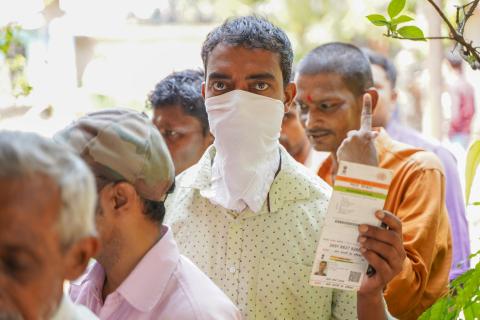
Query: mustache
x=317 y=131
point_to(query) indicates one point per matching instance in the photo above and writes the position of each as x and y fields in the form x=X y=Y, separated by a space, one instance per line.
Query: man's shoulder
x=294 y=171
x=198 y=296
x=396 y=154
x=412 y=137
x=292 y=174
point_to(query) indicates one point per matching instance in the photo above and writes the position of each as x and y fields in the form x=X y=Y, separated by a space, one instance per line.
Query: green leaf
x=395 y=7
x=377 y=19
x=473 y=160
x=476 y=203
x=402 y=19
x=412 y=33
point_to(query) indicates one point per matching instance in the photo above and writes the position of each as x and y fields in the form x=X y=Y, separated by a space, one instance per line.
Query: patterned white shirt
x=261 y=260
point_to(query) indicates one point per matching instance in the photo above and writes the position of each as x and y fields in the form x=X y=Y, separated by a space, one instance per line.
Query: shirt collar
x=145 y=285
x=287 y=185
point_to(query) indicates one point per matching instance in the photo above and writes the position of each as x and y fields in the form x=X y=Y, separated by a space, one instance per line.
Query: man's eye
x=302 y=108
x=219 y=86
x=13 y=265
x=170 y=134
x=326 y=106
x=261 y=86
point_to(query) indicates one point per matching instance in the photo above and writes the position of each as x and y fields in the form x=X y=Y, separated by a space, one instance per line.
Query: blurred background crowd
x=60 y=59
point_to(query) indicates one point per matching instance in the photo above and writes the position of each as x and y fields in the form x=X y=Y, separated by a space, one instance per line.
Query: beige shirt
x=261 y=260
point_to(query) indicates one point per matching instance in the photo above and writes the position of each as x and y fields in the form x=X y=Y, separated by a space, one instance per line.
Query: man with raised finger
x=335 y=97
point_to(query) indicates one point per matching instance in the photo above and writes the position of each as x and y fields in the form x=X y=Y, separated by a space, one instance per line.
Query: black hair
x=383 y=62
x=252 y=32
x=183 y=88
x=155 y=210
x=343 y=59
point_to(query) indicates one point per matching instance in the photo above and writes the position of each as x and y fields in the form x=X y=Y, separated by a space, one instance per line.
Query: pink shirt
x=164 y=285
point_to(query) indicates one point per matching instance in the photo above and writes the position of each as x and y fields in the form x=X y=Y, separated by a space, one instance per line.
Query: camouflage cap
x=122 y=144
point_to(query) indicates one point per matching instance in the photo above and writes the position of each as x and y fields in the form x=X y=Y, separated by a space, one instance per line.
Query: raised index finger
x=366 y=122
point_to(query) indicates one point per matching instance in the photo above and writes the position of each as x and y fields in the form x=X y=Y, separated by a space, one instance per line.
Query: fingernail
x=380 y=214
x=362 y=239
x=363 y=250
x=363 y=228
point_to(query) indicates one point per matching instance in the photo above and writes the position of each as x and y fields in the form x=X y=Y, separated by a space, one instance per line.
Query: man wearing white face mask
x=247 y=213
x=243 y=171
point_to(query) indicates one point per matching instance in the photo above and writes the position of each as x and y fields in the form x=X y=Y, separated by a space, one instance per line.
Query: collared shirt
x=417 y=197
x=256 y=181
x=163 y=285
x=453 y=196
x=261 y=260
x=315 y=159
x=70 y=311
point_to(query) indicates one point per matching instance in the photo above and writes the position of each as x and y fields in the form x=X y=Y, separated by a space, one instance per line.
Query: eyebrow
x=257 y=76
x=261 y=76
x=218 y=75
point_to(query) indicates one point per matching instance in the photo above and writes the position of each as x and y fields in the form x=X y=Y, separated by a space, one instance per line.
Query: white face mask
x=246 y=127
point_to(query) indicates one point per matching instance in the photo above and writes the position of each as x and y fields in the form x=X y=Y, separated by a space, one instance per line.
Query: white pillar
x=432 y=117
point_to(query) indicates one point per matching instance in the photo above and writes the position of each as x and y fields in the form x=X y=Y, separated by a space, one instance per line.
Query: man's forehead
x=173 y=113
x=312 y=87
x=238 y=61
x=34 y=198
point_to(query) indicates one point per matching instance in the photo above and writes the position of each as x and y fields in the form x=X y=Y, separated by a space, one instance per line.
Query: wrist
x=370 y=298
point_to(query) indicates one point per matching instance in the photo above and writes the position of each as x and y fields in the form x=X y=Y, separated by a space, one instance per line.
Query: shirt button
x=232 y=269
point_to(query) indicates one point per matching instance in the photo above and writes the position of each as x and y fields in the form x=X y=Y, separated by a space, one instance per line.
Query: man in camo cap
x=139 y=273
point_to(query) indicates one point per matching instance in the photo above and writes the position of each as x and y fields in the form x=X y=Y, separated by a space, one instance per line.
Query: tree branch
x=474 y=5
x=457 y=36
x=444 y=18
x=419 y=39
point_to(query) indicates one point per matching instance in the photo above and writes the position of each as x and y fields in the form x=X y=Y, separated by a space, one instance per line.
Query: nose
x=305 y=120
x=241 y=85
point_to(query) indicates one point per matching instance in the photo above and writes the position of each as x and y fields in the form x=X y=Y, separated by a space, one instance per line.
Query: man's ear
x=124 y=195
x=209 y=139
x=203 y=89
x=290 y=91
x=374 y=95
x=78 y=256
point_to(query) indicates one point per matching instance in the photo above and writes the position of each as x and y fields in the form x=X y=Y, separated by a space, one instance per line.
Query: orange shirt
x=417 y=197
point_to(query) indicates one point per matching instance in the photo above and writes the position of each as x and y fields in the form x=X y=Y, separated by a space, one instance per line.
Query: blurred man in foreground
x=334 y=81
x=384 y=78
x=47 y=232
x=139 y=272
x=180 y=116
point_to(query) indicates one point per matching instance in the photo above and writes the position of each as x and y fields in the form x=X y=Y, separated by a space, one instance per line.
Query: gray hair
x=25 y=154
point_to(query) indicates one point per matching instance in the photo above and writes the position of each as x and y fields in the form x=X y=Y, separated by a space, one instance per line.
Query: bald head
x=342 y=59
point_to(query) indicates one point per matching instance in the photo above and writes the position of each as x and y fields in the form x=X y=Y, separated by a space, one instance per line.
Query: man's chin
x=323 y=147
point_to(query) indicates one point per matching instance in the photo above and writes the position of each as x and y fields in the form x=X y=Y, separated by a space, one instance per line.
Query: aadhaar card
x=359 y=191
